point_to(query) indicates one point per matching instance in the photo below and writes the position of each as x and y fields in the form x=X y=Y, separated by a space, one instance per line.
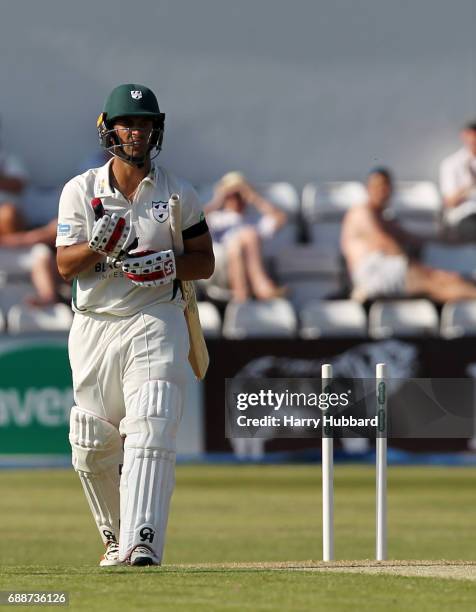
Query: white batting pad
x=148 y=475
x=97 y=456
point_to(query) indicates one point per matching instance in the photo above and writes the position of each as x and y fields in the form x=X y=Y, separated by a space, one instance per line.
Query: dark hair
x=471 y=125
x=382 y=171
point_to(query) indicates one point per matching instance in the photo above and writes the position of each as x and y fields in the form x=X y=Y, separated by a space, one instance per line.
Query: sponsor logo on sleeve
x=64 y=229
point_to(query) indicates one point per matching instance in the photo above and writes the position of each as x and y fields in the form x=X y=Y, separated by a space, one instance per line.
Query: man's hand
x=112 y=235
x=150 y=269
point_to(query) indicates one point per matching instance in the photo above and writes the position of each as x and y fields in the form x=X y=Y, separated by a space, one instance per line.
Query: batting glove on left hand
x=112 y=235
x=150 y=268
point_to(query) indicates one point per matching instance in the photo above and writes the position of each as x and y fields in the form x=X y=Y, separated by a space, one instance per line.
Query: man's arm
x=453 y=192
x=355 y=225
x=263 y=206
x=217 y=201
x=198 y=260
x=74 y=259
x=45 y=234
x=458 y=197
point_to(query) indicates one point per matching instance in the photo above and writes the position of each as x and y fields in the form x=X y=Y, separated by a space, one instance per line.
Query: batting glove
x=112 y=235
x=150 y=269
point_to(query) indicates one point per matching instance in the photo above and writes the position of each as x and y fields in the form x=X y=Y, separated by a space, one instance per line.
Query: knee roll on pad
x=96 y=444
x=152 y=423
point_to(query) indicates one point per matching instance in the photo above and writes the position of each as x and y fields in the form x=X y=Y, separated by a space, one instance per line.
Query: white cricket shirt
x=104 y=288
x=455 y=172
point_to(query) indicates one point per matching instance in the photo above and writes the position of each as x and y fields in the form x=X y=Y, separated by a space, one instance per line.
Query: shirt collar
x=102 y=184
x=153 y=175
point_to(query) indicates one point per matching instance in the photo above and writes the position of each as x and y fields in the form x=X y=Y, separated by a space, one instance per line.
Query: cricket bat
x=198 y=355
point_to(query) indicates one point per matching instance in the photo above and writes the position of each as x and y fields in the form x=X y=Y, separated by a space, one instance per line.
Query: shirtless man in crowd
x=375 y=251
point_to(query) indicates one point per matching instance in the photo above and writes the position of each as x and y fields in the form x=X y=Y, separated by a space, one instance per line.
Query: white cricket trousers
x=112 y=357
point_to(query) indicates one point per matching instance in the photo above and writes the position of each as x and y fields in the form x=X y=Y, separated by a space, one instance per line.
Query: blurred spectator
x=31 y=252
x=376 y=253
x=238 y=218
x=13 y=179
x=22 y=250
x=458 y=187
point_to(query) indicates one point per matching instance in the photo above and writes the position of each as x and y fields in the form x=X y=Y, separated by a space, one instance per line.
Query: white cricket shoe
x=142 y=555
x=111 y=556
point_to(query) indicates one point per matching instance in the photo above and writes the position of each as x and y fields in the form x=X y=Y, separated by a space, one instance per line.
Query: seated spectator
x=458 y=187
x=31 y=251
x=376 y=253
x=23 y=250
x=238 y=218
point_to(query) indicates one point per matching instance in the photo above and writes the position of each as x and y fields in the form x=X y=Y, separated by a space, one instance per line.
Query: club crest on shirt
x=160 y=210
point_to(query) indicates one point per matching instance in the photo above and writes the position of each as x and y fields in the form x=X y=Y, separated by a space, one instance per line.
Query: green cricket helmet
x=130 y=100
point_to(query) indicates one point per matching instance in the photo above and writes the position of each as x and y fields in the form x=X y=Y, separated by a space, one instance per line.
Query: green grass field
x=244 y=538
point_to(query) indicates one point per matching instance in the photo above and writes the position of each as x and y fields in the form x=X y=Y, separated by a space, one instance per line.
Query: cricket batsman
x=129 y=343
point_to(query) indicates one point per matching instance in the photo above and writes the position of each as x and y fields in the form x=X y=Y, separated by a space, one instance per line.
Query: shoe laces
x=142 y=550
x=112 y=548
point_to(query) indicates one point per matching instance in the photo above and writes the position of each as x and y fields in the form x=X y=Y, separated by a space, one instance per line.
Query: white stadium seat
x=324 y=206
x=300 y=292
x=333 y=318
x=304 y=259
x=14 y=293
x=331 y=200
x=458 y=319
x=285 y=197
x=417 y=197
x=16 y=264
x=266 y=319
x=309 y=272
x=210 y=319
x=282 y=194
x=23 y=318
x=403 y=318
x=417 y=207
x=326 y=235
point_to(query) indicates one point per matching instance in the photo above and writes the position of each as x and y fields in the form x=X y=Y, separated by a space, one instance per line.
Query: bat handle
x=98 y=208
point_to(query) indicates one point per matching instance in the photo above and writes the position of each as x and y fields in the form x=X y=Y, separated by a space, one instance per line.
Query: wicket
x=381 y=470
